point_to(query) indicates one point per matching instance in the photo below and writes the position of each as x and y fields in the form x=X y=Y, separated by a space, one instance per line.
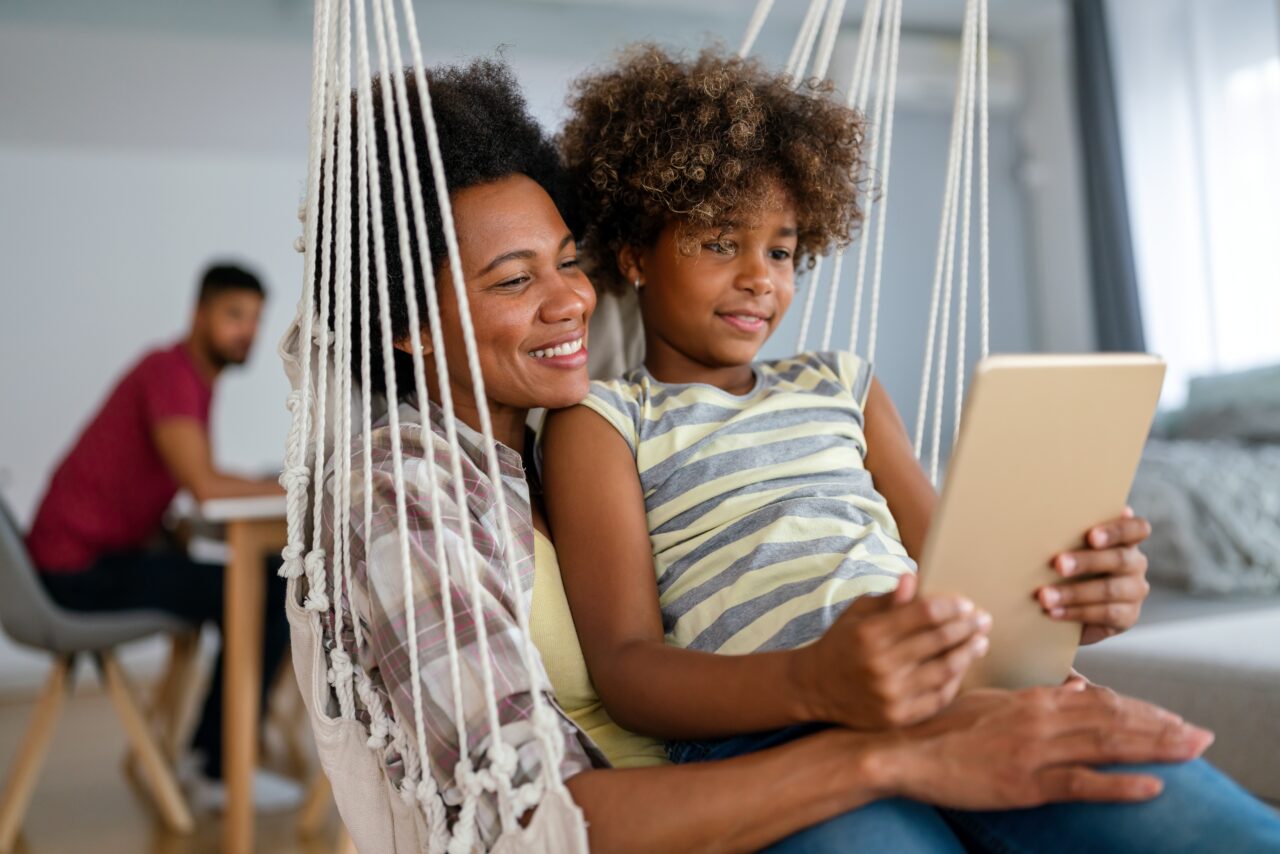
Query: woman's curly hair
x=660 y=137
x=486 y=133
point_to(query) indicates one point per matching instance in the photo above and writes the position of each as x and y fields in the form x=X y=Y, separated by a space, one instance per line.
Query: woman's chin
x=569 y=392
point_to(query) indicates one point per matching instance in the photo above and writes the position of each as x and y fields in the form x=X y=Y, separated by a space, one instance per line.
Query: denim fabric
x=1200 y=810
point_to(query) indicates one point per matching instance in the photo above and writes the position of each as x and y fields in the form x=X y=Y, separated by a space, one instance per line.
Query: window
x=1198 y=89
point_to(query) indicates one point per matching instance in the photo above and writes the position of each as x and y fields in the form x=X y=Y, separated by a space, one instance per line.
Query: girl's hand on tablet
x=1104 y=585
x=891 y=660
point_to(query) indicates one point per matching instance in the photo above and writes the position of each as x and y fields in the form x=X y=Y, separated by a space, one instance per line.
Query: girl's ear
x=404 y=345
x=631 y=266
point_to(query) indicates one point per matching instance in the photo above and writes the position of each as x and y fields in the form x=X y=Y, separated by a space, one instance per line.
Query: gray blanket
x=1214 y=508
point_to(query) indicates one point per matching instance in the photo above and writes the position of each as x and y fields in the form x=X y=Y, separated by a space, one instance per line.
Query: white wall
x=138 y=140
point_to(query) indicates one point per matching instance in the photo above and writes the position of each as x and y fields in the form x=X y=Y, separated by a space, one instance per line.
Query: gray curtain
x=1117 y=311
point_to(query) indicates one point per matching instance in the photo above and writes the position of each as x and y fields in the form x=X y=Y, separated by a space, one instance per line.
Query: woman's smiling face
x=530 y=302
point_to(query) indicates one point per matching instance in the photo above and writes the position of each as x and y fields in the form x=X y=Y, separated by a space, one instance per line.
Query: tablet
x=1048 y=447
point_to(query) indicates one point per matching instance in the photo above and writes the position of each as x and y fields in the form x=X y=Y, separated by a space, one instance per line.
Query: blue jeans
x=1200 y=810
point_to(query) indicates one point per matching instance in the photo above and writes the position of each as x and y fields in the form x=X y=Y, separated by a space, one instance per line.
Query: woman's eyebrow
x=521 y=254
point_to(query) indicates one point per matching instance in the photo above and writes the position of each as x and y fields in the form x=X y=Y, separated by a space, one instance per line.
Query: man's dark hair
x=486 y=134
x=219 y=278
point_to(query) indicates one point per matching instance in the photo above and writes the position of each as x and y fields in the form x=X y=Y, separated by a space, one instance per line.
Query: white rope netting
x=876 y=61
x=322 y=405
x=327 y=418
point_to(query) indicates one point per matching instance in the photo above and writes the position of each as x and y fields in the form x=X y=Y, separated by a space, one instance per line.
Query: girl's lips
x=744 y=322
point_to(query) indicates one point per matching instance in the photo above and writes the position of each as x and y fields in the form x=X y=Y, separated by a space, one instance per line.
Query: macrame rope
x=363 y=132
x=502 y=756
x=380 y=726
x=859 y=82
x=966 y=203
x=314 y=564
x=984 y=181
x=865 y=37
x=827 y=43
x=949 y=271
x=341 y=671
x=803 y=46
x=296 y=476
x=433 y=807
x=754 y=26
x=878 y=204
x=877 y=46
x=886 y=149
x=954 y=151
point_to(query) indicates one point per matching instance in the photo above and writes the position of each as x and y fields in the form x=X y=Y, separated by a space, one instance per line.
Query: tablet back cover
x=1048 y=447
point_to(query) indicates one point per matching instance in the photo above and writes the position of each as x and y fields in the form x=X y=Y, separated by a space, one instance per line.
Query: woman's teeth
x=566 y=349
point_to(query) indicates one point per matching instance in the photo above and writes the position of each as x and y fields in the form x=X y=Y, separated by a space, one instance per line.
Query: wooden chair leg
x=26 y=768
x=157 y=772
x=170 y=708
x=315 y=806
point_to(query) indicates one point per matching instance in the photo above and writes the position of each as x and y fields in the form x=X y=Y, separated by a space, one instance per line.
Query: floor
x=85 y=803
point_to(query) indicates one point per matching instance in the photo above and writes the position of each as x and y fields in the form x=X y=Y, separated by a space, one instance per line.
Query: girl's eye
x=781 y=254
x=722 y=247
x=512 y=284
x=568 y=263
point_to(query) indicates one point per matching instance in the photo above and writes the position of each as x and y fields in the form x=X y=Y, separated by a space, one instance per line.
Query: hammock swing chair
x=357 y=731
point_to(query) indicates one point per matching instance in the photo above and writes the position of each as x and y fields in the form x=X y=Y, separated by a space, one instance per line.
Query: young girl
x=764 y=497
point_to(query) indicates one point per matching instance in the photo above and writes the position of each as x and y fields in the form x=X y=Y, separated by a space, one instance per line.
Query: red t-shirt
x=111 y=491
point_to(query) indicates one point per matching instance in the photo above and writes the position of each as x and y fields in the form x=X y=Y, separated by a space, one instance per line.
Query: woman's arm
x=883 y=663
x=991 y=750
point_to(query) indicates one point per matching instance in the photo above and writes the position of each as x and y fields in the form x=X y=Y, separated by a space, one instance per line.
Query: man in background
x=97 y=536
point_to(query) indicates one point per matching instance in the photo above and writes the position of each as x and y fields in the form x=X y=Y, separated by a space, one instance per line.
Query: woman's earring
x=638 y=284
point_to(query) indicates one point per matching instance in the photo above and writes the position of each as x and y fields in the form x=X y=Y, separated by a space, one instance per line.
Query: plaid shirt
x=378 y=599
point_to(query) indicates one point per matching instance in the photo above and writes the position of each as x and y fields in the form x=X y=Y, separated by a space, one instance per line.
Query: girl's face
x=529 y=301
x=717 y=307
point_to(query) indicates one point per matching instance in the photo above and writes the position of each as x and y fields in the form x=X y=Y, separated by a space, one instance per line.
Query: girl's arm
x=896 y=473
x=595 y=508
x=883 y=663
x=1104 y=582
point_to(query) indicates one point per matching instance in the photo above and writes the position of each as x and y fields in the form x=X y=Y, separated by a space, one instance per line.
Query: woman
x=530 y=305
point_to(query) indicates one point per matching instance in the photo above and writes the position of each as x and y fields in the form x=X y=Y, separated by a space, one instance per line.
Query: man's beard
x=222 y=359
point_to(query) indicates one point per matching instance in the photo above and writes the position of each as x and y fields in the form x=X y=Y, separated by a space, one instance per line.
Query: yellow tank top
x=551 y=624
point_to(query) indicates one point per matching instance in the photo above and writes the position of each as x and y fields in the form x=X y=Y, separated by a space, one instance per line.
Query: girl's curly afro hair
x=661 y=137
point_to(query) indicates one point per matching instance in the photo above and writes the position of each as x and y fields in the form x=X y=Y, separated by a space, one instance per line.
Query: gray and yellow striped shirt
x=763 y=519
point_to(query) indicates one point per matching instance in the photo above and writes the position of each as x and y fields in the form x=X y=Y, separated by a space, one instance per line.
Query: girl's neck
x=667 y=364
